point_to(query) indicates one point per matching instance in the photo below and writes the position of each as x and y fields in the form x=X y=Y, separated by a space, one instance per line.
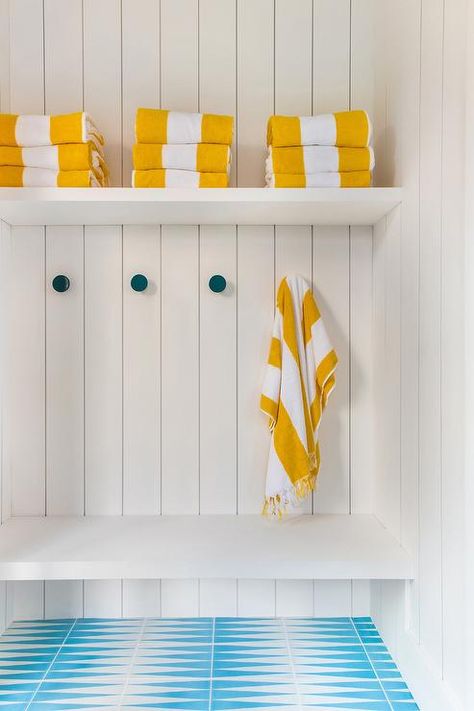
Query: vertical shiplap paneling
x=332 y=598
x=180 y=598
x=331 y=258
x=294 y=598
x=26 y=56
x=218 y=475
x=141 y=371
x=141 y=598
x=362 y=83
x=6 y=362
x=102 y=598
x=65 y=373
x=5 y=55
x=453 y=237
x=256 y=598
x=27 y=391
x=103 y=76
x=255 y=92
x=63 y=599
x=217 y=598
x=293 y=95
x=63 y=81
x=25 y=600
x=103 y=370
x=179 y=55
x=140 y=57
x=430 y=313
x=254 y=326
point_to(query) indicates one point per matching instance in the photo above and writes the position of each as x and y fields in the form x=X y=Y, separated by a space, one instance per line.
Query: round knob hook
x=61 y=283
x=217 y=283
x=139 y=282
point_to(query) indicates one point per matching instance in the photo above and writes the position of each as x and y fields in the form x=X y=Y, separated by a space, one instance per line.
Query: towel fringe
x=276 y=506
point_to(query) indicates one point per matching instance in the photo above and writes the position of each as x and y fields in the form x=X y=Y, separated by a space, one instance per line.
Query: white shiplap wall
x=148 y=403
x=419 y=263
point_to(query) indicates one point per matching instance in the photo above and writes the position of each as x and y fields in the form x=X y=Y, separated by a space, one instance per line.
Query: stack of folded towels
x=51 y=151
x=181 y=150
x=326 y=151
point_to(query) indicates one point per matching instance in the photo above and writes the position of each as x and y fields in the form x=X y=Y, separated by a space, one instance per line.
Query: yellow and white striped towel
x=178 y=179
x=67 y=156
x=356 y=179
x=17 y=177
x=30 y=130
x=200 y=157
x=344 y=128
x=160 y=126
x=299 y=378
x=318 y=159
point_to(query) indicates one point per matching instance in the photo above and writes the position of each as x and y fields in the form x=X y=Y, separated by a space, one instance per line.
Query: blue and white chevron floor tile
x=199 y=664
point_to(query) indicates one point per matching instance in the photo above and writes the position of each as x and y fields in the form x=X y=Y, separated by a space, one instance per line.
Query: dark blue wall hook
x=217 y=283
x=61 y=283
x=139 y=282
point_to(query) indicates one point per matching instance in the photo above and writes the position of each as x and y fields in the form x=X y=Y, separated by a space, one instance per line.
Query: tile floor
x=200 y=664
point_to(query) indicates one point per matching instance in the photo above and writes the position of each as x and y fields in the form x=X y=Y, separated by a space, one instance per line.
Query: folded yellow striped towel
x=299 y=378
x=160 y=126
x=200 y=157
x=318 y=159
x=67 y=156
x=356 y=179
x=178 y=179
x=345 y=128
x=29 y=130
x=17 y=177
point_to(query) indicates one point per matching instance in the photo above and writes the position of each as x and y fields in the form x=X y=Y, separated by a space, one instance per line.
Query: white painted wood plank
x=256 y=598
x=293 y=255
x=65 y=372
x=63 y=599
x=179 y=55
x=103 y=77
x=293 y=51
x=140 y=57
x=180 y=598
x=332 y=598
x=3 y=606
x=255 y=312
x=25 y=600
x=6 y=363
x=217 y=60
x=180 y=370
x=255 y=77
x=218 y=598
x=218 y=383
x=453 y=382
x=331 y=273
x=363 y=30
x=141 y=598
x=361 y=372
x=294 y=598
x=141 y=371
x=27 y=392
x=102 y=598
x=5 y=54
x=63 y=83
x=26 y=58
x=331 y=57
x=103 y=370
x=361 y=598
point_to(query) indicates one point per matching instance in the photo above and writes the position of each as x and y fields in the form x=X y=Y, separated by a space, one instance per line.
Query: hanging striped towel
x=356 y=179
x=318 y=159
x=30 y=130
x=67 y=156
x=299 y=378
x=345 y=128
x=160 y=126
x=200 y=157
x=178 y=179
x=17 y=177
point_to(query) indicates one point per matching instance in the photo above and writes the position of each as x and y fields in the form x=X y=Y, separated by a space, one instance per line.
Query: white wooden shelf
x=230 y=206
x=250 y=546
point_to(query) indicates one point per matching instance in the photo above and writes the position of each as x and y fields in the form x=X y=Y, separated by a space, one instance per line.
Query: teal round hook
x=139 y=282
x=217 y=283
x=61 y=283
